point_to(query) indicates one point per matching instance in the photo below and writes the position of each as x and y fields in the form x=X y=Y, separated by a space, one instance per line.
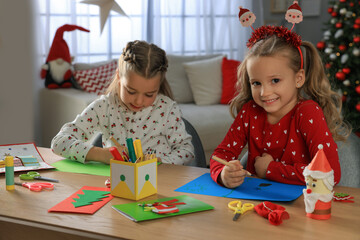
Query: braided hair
x=146 y=60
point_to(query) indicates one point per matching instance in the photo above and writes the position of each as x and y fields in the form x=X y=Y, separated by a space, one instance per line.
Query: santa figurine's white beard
x=58 y=71
x=310 y=200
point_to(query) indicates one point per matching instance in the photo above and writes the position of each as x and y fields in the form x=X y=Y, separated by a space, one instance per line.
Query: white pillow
x=176 y=76
x=205 y=80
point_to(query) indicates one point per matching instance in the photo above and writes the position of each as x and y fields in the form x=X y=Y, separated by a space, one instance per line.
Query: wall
x=16 y=72
x=310 y=29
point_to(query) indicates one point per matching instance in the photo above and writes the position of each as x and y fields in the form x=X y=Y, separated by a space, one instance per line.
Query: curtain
x=187 y=27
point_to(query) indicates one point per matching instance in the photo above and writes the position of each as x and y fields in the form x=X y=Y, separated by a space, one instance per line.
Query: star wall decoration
x=105 y=7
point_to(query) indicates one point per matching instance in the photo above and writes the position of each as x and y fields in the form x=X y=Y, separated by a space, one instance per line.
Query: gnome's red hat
x=243 y=11
x=319 y=168
x=295 y=8
x=59 y=48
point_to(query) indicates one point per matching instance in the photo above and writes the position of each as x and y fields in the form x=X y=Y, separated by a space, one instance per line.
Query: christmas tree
x=340 y=49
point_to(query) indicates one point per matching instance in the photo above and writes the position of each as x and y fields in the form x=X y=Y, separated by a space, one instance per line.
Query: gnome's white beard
x=310 y=200
x=58 y=71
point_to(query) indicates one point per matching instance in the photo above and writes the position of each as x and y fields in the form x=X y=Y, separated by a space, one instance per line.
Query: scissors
x=35 y=175
x=37 y=186
x=239 y=208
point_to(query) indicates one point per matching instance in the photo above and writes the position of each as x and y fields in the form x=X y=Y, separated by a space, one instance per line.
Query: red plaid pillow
x=96 y=80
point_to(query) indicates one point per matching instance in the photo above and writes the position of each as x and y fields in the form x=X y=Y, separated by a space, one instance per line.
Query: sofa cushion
x=205 y=80
x=177 y=78
x=229 y=77
x=96 y=80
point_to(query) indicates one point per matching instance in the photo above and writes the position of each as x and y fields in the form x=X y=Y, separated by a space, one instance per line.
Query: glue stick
x=9 y=172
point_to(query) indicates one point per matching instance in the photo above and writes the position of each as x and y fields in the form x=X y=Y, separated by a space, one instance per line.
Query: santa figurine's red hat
x=59 y=47
x=295 y=8
x=319 y=168
x=243 y=12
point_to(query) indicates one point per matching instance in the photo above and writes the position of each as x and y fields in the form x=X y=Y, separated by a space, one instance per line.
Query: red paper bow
x=275 y=213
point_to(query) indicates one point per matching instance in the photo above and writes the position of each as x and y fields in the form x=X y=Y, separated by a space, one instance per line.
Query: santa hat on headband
x=59 y=48
x=243 y=12
x=295 y=8
x=319 y=168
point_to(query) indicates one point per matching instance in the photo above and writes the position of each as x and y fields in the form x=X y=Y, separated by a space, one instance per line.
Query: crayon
x=9 y=172
x=226 y=163
x=130 y=146
x=116 y=154
x=138 y=149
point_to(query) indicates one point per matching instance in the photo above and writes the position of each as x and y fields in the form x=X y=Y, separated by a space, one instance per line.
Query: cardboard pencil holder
x=133 y=180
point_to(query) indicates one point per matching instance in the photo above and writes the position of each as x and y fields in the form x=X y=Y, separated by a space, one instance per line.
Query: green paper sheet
x=88 y=197
x=136 y=213
x=90 y=167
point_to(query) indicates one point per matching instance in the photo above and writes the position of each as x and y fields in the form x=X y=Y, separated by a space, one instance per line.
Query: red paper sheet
x=67 y=206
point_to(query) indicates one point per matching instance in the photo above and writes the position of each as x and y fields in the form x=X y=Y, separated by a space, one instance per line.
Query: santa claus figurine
x=57 y=70
x=294 y=14
x=246 y=17
x=319 y=178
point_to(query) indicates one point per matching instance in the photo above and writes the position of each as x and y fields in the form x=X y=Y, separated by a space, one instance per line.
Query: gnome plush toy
x=57 y=71
x=319 y=178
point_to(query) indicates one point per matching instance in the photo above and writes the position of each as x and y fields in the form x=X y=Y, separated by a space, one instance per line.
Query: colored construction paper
x=88 y=197
x=136 y=213
x=252 y=188
x=67 y=204
x=90 y=167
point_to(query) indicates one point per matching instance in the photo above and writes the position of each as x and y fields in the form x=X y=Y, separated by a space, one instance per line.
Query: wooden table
x=24 y=214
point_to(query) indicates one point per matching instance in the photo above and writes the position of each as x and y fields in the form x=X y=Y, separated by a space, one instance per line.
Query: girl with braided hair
x=137 y=104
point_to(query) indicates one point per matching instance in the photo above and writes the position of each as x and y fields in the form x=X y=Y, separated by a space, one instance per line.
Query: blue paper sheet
x=252 y=188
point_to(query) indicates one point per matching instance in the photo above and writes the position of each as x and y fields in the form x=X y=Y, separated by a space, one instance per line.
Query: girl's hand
x=102 y=154
x=232 y=175
x=262 y=163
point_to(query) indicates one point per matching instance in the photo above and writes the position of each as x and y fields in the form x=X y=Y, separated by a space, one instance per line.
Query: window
x=188 y=27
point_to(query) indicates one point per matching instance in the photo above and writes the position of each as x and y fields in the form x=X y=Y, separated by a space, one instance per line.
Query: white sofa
x=211 y=121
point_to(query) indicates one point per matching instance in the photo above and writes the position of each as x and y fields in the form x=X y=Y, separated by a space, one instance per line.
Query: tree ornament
x=356 y=52
x=356 y=39
x=320 y=45
x=328 y=65
x=358 y=107
x=347 y=82
x=348 y=14
x=343 y=11
x=342 y=1
x=351 y=4
x=344 y=58
x=356 y=26
x=328 y=50
x=338 y=25
x=334 y=20
x=342 y=47
x=332 y=56
x=346 y=70
x=335 y=6
x=340 y=76
x=330 y=10
x=357 y=89
x=334 y=14
x=343 y=98
x=339 y=33
x=357 y=21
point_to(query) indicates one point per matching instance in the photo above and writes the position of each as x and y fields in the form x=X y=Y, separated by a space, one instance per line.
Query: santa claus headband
x=265 y=32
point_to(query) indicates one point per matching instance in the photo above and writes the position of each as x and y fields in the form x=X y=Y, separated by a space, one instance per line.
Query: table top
x=28 y=211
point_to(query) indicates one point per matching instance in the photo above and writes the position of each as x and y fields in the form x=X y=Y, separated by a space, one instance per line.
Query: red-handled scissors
x=37 y=186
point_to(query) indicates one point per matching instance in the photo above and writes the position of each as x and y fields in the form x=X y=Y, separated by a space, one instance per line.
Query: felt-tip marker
x=116 y=154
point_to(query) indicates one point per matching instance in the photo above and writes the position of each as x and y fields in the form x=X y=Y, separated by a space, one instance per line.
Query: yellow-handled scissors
x=239 y=208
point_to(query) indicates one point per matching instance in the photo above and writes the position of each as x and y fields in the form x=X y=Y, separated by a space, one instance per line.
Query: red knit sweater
x=292 y=142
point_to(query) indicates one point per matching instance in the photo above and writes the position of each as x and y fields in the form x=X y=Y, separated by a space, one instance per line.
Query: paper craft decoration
x=133 y=180
x=319 y=178
x=88 y=197
x=252 y=188
x=273 y=212
x=136 y=213
x=26 y=157
x=90 y=167
x=69 y=205
x=105 y=6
